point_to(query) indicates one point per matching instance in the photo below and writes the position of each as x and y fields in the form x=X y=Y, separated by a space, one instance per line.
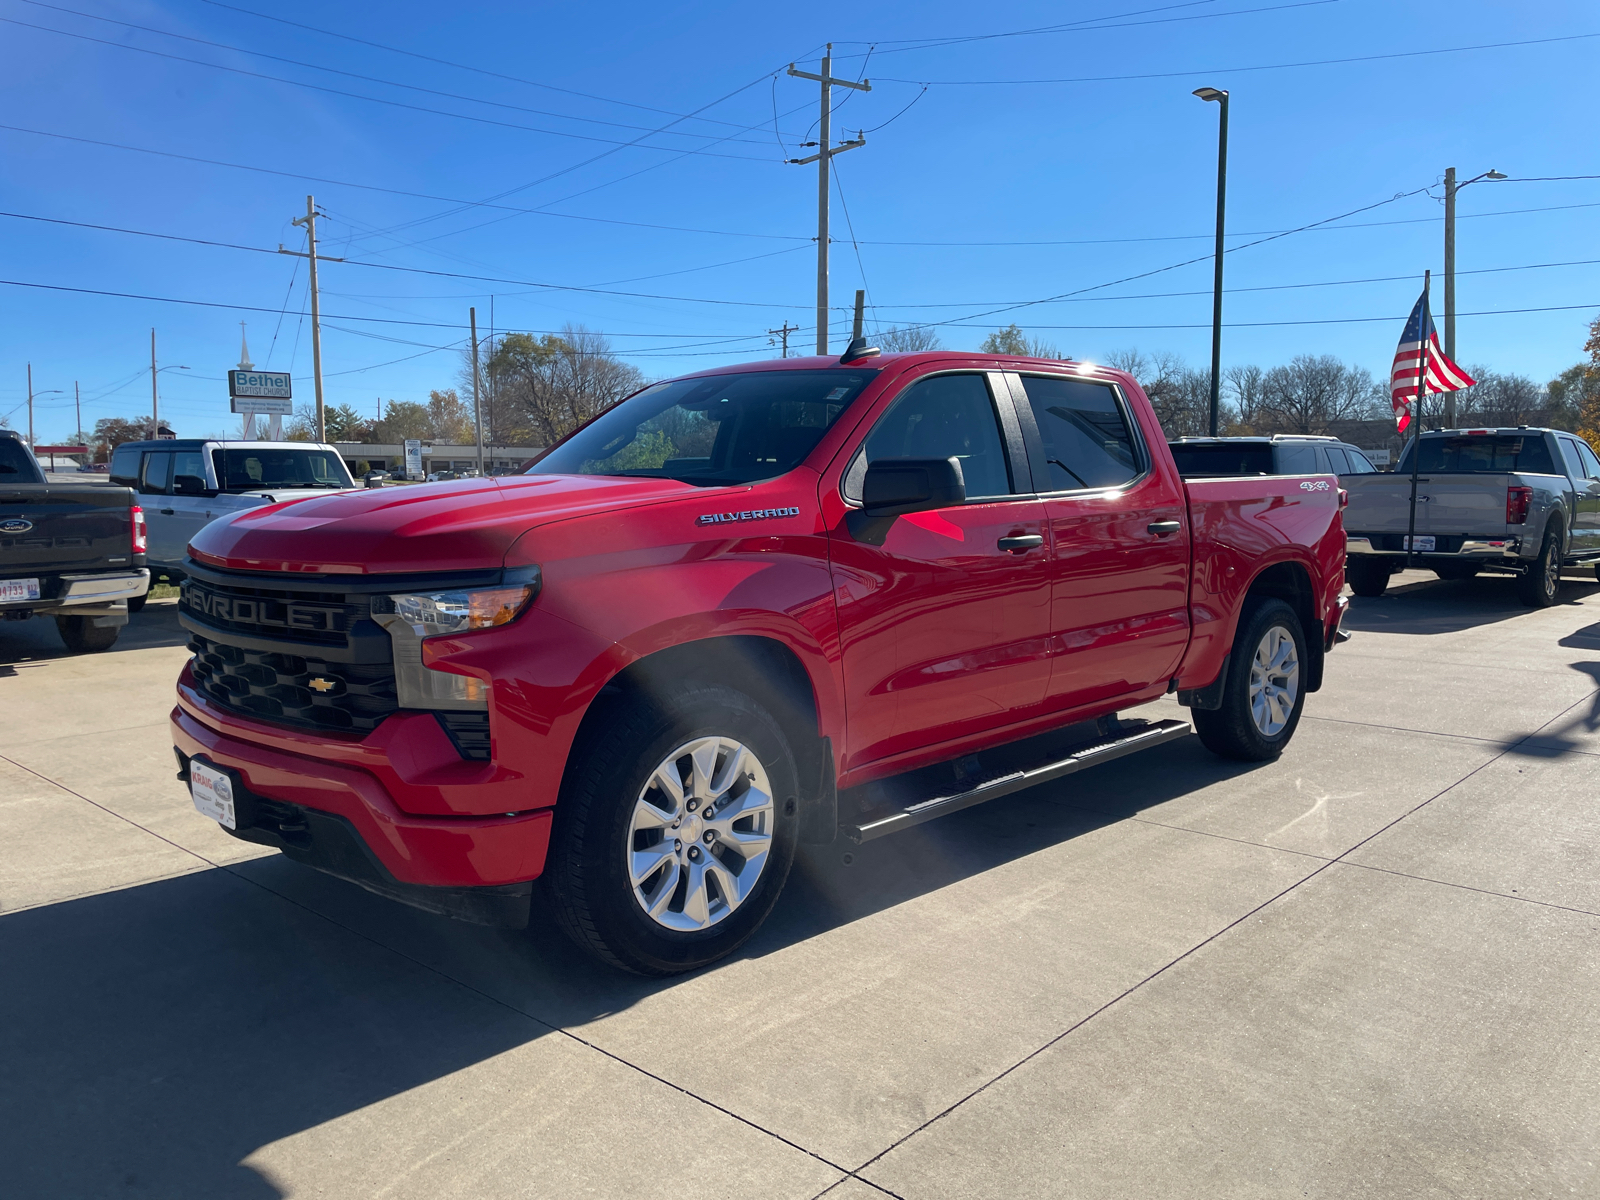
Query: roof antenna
x=858 y=347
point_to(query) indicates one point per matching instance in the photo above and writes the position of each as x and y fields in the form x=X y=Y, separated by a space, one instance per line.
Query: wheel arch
x=1290 y=581
x=763 y=667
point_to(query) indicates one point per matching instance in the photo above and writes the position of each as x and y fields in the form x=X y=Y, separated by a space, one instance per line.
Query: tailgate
x=1472 y=505
x=69 y=528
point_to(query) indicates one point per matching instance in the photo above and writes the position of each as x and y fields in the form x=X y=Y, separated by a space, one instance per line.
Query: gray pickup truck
x=185 y=484
x=1522 y=500
x=72 y=551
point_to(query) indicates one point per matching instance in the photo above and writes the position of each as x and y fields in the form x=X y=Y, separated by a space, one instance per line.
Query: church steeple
x=244 y=351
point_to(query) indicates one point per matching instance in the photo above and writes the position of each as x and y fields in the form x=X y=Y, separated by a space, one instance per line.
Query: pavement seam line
x=1467 y=887
x=939 y=1116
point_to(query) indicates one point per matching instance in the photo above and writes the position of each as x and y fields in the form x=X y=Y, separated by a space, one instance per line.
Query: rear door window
x=156 y=476
x=1591 y=463
x=1297 y=458
x=1359 y=463
x=125 y=466
x=943 y=417
x=1338 y=464
x=1088 y=440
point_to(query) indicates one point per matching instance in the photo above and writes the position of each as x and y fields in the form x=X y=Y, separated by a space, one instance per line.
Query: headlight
x=412 y=617
x=435 y=613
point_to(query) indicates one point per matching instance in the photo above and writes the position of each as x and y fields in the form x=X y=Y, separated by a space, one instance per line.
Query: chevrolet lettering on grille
x=755 y=514
x=241 y=610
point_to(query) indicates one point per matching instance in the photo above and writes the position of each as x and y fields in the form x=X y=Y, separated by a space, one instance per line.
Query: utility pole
x=77 y=410
x=30 y=406
x=825 y=152
x=310 y=222
x=477 y=409
x=155 y=406
x=783 y=332
x=1451 y=187
x=1220 y=97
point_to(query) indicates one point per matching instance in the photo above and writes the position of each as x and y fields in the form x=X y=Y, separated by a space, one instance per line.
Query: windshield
x=264 y=467
x=1492 y=453
x=1221 y=458
x=717 y=430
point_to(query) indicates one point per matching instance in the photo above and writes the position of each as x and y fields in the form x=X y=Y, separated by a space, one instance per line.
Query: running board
x=1144 y=738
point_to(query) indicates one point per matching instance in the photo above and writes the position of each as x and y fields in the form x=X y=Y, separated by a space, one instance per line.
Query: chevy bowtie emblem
x=323 y=685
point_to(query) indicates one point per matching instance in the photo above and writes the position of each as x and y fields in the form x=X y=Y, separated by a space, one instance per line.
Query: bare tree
x=909 y=340
x=1313 y=391
x=1245 y=386
x=1011 y=340
x=1180 y=394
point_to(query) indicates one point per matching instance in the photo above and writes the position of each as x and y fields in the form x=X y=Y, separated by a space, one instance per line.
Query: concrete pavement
x=1367 y=969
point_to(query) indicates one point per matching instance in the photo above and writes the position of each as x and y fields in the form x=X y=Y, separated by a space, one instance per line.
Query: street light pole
x=1221 y=97
x=1451 y=187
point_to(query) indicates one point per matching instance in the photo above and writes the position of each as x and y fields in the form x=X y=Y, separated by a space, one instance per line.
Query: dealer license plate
x=19 y=589
x=212 y=792
x=1420 y=542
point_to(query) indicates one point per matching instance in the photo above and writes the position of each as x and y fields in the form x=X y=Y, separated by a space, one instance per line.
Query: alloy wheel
x=1274 y=681
x=700 y=834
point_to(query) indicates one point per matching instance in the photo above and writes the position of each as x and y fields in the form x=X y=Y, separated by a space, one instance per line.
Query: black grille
x=309 y=618
x=297 y=689
x=469 y=731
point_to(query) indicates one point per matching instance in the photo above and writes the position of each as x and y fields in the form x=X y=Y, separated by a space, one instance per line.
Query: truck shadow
x=1566 y=734
x=36 y=640
x=1419 y=602
x=158 y=1037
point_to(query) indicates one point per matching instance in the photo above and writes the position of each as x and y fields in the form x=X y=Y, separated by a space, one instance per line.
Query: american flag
x=1443 y=375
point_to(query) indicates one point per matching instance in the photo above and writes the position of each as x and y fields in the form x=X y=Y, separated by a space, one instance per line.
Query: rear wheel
x=1265 y=688
x=1455 y=572
x=675 y=830
x=1367 y=576
x=1538 y=585
x=82 y=636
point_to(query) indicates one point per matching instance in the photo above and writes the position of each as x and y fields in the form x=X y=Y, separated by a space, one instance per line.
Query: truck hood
x=460 y=525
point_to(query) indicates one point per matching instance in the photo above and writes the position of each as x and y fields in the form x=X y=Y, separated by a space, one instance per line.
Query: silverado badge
x=755 y=514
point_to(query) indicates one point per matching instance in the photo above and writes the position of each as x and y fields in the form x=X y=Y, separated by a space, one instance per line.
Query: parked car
x=1281 y=454
x=743 y=609
x=186 y=483
x=1519 y=500
x=72 y=551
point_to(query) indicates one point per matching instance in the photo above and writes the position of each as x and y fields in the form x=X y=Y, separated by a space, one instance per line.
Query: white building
x=378 y=456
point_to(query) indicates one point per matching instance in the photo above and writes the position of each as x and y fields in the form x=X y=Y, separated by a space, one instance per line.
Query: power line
x=458 y=66
x=1496 y=312
x=1319 y=62
x=317 y=87
x=294 y=62
x=391 y=191
x=1094 y=24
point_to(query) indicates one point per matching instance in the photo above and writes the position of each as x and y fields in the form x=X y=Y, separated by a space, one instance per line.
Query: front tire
x=676 y=829
x=83 y=636
x=1538 y=586
x=1367 y=576
x=1265 y=688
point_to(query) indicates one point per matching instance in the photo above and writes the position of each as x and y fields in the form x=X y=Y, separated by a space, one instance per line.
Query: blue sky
x=1071 y=185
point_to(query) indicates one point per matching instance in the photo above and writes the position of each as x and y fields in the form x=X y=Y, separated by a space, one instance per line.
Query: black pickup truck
x=74 y=552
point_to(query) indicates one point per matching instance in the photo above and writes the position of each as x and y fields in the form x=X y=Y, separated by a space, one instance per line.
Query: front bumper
x=434 y=853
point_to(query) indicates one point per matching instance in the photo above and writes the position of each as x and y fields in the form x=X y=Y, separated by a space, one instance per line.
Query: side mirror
x=188 y=485
x=894 y=487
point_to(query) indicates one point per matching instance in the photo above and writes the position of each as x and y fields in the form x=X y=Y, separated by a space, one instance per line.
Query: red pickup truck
x=754 y=607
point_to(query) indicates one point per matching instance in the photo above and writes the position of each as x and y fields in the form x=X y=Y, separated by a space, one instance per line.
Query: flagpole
x=1416 y=418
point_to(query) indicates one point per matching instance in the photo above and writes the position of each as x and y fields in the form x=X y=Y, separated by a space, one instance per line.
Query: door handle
x=1162 y=528
x=167 y=512
x=1020 y=543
